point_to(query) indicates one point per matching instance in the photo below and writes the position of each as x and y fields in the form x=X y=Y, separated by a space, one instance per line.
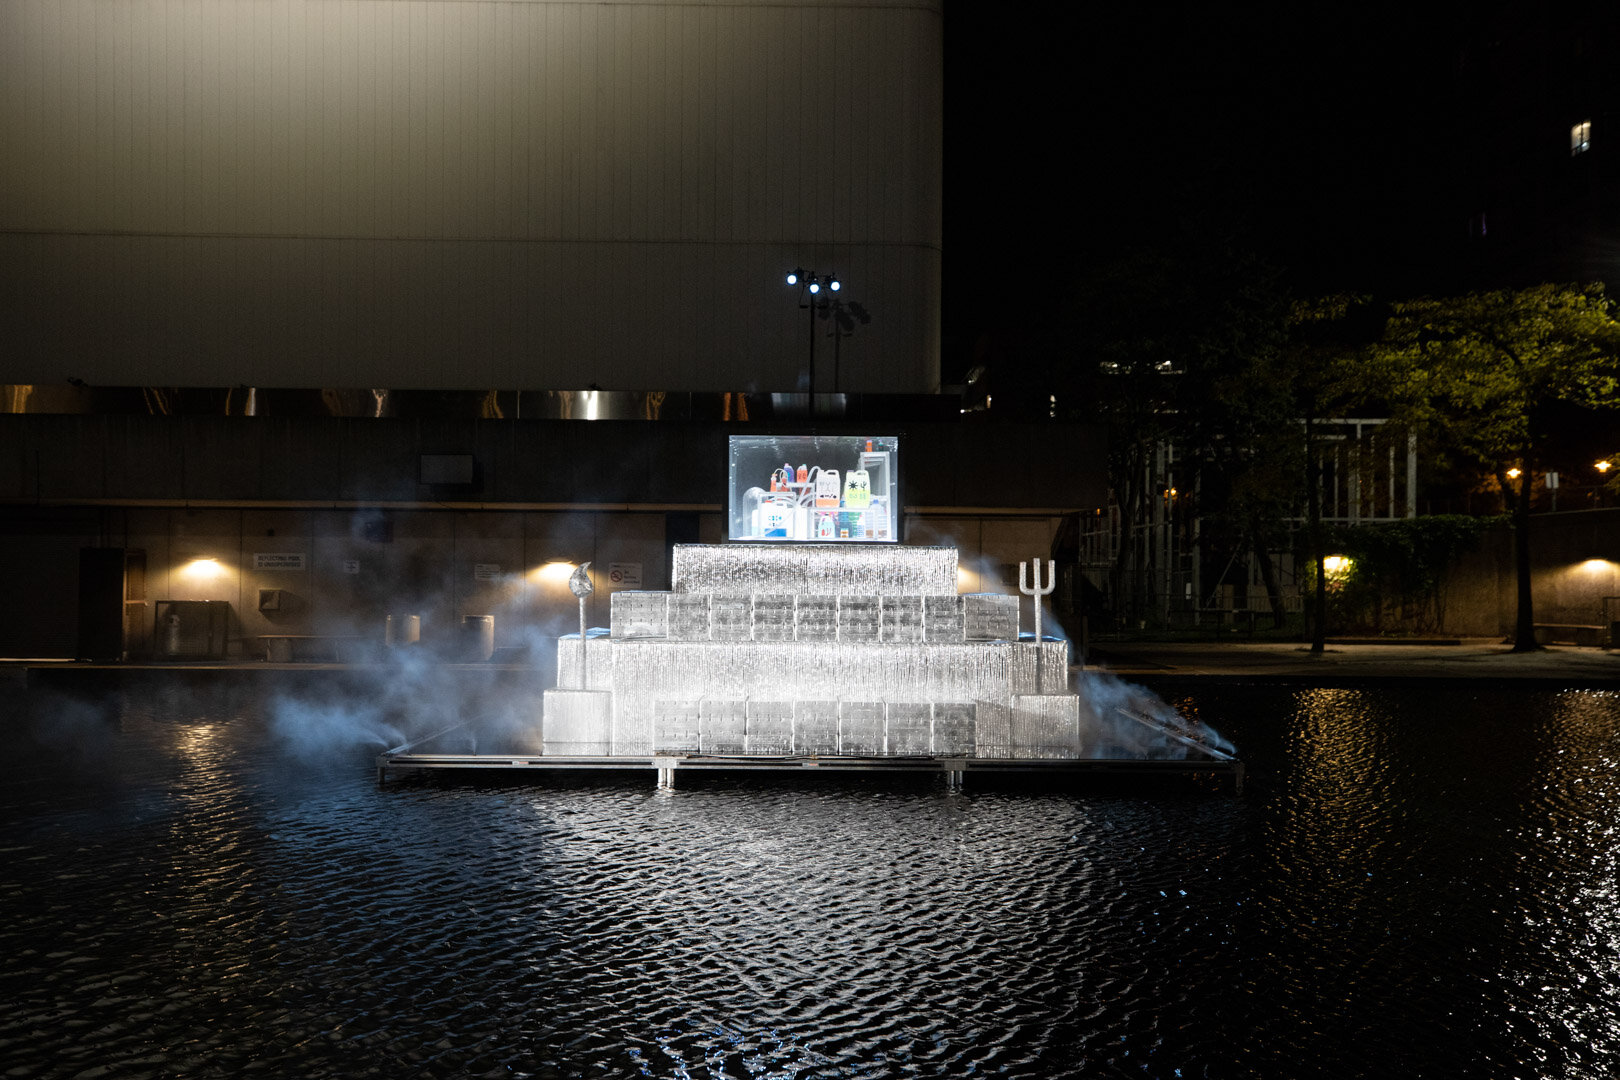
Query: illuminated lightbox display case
x=815 y=488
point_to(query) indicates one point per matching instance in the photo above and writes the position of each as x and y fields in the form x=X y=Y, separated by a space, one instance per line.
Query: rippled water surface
x=1417 y=882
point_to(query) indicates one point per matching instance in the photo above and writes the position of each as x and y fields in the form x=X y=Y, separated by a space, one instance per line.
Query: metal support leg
x=953 y=781
x=666 y=776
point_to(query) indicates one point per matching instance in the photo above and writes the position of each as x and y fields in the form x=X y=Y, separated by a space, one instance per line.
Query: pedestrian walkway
x=1466 y=658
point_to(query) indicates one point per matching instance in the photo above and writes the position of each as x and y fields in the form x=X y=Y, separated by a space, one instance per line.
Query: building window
x=1580 y=138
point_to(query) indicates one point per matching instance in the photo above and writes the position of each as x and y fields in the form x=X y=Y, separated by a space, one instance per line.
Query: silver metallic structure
x=806 y=650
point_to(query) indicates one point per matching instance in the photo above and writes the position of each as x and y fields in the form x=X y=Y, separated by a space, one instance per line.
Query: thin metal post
x=579 y=583
x=1035 y=593
x=812 y=306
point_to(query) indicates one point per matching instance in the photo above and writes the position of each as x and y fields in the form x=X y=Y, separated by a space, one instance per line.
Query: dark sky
x=1320 y=136
x=1079 y=130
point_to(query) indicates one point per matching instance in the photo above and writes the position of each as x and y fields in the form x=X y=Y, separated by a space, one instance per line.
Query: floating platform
x=953 y=770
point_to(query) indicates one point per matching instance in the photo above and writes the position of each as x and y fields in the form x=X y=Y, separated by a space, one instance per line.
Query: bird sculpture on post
x=579 y=583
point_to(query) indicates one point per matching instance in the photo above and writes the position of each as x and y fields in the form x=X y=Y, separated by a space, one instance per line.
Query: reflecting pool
x=1418 y=881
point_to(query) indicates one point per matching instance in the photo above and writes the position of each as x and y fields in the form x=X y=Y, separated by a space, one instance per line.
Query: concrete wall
x=349 y=571
x=467 y=193
x=1575 y=563
x=238 y=460
x=342 y=572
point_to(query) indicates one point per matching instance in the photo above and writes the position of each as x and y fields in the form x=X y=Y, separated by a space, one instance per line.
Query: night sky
x=1346 y=144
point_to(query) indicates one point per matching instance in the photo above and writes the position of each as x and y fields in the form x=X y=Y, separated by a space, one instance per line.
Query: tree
x=1177 y=350
x=1482 y=373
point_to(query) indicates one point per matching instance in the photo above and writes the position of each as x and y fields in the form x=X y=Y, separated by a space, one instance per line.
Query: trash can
x=403 y=630
x=477 y=637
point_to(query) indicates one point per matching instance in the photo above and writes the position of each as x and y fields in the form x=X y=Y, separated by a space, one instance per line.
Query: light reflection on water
x=1419 y=882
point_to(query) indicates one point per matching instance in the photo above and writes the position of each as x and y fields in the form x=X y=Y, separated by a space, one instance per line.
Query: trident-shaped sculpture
x=1035 y=593
x=579 y=583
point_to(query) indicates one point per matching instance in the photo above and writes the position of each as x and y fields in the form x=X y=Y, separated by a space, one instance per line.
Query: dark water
x=1417 y=882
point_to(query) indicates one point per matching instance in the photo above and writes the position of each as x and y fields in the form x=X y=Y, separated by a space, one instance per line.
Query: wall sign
x=278 y=560
x=486 y=571
x=624 y=575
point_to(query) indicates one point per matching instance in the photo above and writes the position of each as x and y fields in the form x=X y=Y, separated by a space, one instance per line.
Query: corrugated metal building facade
x=466 y=193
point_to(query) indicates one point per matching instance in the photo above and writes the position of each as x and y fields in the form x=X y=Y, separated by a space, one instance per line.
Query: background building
x=327 y=310
x=442 y=193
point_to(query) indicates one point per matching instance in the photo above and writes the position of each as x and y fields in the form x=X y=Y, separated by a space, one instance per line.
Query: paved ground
x=1467 y=658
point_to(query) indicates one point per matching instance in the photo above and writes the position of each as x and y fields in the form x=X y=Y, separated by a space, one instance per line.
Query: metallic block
x=816 y=618
x=731 y=618
x=908 y=729
x=722 y=569
x=773 y=616
x=859 y=673
x=1040 y=669
x=576 y=722
x=942 y=619
x=815 y=727
x=989 y=617
x=901 y=619
x=954 y=734
x=637 y=614
x=632 y=725
x=992 y=729
x=689 y=617
x=859 y=618
x=860 y=728
x=1045 y=726
x=813 y=670
x=599 y=658
x=676 y=727
x=722 y=726
x=769 y=727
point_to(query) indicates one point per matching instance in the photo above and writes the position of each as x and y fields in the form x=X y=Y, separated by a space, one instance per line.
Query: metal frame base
x=954 y=769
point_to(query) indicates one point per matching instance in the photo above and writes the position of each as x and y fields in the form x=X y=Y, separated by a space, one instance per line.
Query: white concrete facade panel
x=466 y=192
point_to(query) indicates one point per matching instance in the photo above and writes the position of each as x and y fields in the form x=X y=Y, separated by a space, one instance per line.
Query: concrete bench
x=1570 y=634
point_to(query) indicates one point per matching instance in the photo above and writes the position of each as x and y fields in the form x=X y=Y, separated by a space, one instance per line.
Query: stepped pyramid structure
x=813 y=650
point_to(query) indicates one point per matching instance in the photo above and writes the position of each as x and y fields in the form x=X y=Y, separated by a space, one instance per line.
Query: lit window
x=1580 y=138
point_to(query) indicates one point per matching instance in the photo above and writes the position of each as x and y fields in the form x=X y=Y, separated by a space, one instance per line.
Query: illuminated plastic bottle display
x=846 y=488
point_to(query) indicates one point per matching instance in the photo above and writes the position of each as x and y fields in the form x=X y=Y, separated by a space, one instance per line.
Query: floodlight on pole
x=811 y=298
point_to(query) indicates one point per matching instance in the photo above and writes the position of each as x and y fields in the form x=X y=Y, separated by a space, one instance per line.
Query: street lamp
x=812 y=287
x=819 y=292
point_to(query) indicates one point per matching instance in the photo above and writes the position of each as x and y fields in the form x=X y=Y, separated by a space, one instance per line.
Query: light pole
x=815 y=291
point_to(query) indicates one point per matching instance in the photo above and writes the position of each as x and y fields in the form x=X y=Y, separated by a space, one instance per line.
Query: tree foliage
x=1483 y=373
x=1399 y=569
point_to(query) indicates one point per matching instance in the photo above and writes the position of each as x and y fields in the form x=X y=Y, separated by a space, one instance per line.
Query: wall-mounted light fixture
x=555 y=572
x=200 y=567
